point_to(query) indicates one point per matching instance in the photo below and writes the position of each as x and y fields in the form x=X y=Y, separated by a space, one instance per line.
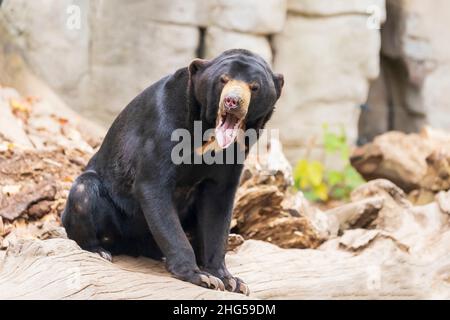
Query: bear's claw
x=212 y=282
x=234 y=284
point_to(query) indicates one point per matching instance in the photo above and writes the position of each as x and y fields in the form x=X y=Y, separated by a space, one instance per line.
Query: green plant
x=321 y=184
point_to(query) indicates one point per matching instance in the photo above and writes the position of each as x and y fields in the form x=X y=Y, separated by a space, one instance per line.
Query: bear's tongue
x=227 y=130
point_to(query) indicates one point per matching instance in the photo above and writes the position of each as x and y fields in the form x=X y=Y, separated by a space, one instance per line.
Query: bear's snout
x=235 y=98
x=232 y=101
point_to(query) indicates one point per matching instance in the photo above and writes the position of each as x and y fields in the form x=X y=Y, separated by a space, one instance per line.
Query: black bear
x=133 y=199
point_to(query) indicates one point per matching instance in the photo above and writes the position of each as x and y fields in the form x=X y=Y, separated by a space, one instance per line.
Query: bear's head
x=235 y=91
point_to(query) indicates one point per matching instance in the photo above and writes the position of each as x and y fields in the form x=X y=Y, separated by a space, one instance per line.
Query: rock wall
x=328 y=51
x=414 y=85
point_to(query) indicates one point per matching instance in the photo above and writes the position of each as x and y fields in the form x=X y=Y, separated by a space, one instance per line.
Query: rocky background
x=329 y=52
x=414 y=82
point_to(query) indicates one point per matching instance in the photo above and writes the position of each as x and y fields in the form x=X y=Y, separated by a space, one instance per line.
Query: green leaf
x=310 y=195
x=352 y=178
x=331 y=142
x=343 y=135
x=334 y=177
x=340 y=193
x=319 y=184
x=334 y=143
x=345 y=154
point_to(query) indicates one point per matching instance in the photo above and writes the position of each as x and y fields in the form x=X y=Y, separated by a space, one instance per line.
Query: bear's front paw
x=235 y=284
x=202 y=279
x=205 y=280
x=211 y=282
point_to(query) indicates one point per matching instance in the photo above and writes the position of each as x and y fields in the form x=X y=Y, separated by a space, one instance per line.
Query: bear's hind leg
x=88 y=216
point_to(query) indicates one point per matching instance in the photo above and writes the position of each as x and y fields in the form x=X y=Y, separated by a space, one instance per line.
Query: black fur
x=133 y=200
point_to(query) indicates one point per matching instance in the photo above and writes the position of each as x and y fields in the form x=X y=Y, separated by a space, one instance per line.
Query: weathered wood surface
x=405 y=255
x=267 y=208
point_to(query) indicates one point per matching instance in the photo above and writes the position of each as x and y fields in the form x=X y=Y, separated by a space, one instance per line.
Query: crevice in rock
x=395 y=99
x=310 y=15
x=200 y=52
x=272 y=47
x=394 y=102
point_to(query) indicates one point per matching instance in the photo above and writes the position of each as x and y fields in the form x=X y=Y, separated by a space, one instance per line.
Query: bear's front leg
x=214 y=210
x=165 y=226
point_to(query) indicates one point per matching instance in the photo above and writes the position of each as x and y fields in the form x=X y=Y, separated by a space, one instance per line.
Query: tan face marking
x=236 y=88
x=240 y=89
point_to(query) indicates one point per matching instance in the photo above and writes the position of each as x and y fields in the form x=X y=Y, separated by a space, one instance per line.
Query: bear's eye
x=224 y=79
x=254 y=87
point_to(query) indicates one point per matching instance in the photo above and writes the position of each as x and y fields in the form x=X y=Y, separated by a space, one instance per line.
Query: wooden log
x=357 y=214
x=266 y=207
x=404 y=255
x=374 y=269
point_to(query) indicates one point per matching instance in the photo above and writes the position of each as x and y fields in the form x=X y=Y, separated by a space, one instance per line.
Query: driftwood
x=407 y=258
x=266 y=207
x=419 y=162
x=358 y=214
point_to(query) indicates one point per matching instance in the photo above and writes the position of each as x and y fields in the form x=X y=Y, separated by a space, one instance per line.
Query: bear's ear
x=196 y=65
x=278 y=79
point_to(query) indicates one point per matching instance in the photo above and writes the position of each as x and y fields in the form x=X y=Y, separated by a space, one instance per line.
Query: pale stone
x=415 y=28
x=117 y=52
x=53 y=45
x=327 y=64
x=11 y=127
x=301 y=130
x=251 y=16
x=417 y=49
x=436 y=94
x=190 y=12
x=123 y=65
x=218 y=40
x=328 y=60
x=338 y=7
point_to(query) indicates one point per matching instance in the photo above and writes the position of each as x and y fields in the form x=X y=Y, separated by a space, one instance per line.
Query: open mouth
x=227 y=129
x=233 y=107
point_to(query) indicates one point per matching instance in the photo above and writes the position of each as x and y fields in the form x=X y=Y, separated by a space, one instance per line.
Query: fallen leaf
x=68 y=179
x=63 y=121
x=18 y=106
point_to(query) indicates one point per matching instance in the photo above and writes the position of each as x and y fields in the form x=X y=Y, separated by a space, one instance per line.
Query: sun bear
x=133 y=199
